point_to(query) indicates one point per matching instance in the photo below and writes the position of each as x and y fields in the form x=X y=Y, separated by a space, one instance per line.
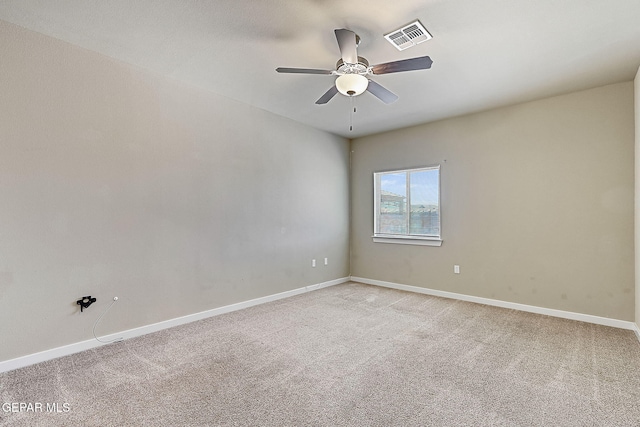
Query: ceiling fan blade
x=348 y=43
x=383 y=94
x=303 y=70
x=420 y=63
x=328 y=95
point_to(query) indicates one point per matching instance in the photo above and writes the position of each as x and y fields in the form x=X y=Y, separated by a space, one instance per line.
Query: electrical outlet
x=313 y=263
x=326 y=261
x=456 y=269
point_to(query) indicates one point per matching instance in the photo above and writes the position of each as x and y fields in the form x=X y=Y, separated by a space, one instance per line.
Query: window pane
x=393 y=203
x=425 y=212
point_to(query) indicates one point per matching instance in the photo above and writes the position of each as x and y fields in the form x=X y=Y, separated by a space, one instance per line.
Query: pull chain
x=351 y=111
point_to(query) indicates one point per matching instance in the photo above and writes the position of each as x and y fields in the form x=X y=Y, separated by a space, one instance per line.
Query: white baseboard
x=504 y=304
x=636 y=329
x=31 y=359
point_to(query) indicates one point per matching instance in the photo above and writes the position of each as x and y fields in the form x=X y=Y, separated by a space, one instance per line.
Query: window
x=407 y=206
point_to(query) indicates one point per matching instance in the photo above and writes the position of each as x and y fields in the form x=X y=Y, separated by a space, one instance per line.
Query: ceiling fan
x=352 y=71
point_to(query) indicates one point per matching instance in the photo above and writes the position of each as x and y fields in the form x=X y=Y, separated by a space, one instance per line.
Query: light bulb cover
x=352 y=84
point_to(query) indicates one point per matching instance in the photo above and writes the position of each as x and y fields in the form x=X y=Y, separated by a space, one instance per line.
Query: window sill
x=408 y=240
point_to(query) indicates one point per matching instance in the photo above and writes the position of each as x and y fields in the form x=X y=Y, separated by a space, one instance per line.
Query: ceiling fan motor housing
x=362 y=67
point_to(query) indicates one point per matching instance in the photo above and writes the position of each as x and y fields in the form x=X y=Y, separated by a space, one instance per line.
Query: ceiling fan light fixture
x=352 y=84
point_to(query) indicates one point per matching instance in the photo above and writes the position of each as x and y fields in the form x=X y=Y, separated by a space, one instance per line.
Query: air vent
x=409 y=35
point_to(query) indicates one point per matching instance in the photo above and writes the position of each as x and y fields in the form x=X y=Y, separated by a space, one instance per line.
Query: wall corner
x=636 y=104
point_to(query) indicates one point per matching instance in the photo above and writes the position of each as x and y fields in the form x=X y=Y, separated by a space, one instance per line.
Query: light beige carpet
x=348 y=355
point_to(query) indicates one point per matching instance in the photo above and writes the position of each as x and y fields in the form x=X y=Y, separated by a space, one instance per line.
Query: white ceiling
x=486 y=53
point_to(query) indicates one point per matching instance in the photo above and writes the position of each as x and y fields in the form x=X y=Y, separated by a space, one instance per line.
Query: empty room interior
x=319 y=213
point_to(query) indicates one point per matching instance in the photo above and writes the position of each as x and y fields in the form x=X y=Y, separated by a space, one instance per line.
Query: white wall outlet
x=313 y=263
x=326 y=261
x=456 y=269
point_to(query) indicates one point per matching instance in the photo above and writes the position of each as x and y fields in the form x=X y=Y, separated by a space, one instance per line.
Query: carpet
x=347 y=355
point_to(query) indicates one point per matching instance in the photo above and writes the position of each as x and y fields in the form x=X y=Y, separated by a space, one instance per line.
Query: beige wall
x=537 y=203
x=637 y=193
x=118 y=182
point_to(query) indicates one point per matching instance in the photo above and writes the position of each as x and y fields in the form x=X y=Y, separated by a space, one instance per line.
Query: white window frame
x=404 y=239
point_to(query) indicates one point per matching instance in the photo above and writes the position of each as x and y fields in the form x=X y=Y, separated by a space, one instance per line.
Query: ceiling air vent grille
x=409 y=35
